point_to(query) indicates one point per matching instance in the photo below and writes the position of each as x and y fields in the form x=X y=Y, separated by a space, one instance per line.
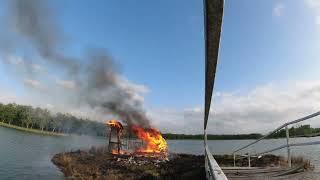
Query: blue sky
x=270 y=45
x=158 y=44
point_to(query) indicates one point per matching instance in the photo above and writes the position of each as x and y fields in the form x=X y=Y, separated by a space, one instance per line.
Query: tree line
x=295 y=131
x=212 y=136
x=44 y=120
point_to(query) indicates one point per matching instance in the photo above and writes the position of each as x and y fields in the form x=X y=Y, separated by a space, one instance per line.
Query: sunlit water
x=28 y=156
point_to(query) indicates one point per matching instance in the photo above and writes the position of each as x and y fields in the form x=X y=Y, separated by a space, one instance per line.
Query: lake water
x=27 y=156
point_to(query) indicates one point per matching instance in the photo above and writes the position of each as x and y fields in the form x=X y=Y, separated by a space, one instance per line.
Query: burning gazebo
x=115 y=126
x=150 y=140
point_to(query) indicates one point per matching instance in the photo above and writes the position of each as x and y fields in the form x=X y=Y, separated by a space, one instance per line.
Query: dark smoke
x=103 y=89
x=98 y=83
x=34 y=21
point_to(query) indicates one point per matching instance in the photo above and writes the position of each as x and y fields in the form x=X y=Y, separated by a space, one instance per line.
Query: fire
x=152 y=138
x=116 y=124
x=114 y=151
x=155 y=143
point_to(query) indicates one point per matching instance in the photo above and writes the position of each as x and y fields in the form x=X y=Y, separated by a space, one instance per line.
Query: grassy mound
x=102 y=165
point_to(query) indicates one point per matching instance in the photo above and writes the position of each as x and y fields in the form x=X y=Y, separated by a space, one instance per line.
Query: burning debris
x=139 y=160
x=116 y=124
x=153 y=142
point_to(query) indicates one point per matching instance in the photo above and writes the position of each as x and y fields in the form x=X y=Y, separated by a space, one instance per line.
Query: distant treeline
x=298 y=131
x=212 y=136
x=43 y=119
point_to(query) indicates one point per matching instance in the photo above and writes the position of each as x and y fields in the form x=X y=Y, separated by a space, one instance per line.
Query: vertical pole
x=249 y=161
x=119 y=141
x=288 y=147
x=109 y=144
x=129 y=139
x=234 y=160
x=127 y=142
x=206 y=165
x=110 y=134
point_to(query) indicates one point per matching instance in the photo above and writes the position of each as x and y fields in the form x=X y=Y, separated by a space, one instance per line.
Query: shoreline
x=29 y=130
x=212 y=139
x=49 y=133
x=244 y=139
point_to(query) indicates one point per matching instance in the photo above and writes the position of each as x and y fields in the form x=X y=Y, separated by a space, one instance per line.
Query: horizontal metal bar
x=305 y=144
x=275 y=149
x=290 y=145
x=280 y=127
x=303 y=119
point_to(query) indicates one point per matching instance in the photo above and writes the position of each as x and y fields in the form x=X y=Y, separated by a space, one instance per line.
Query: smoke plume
x=94 y=76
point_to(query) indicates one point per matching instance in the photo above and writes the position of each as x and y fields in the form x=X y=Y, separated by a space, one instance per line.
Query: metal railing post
x=277 y=129
x=249 y=163
x=288 y=146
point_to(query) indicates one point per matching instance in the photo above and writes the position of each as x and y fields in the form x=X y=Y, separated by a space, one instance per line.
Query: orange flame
x=116 y=124
x=155 y=143
x=114 y=151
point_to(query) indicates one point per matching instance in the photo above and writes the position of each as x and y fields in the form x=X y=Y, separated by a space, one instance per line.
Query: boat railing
x=287 y=145
x=213 y=13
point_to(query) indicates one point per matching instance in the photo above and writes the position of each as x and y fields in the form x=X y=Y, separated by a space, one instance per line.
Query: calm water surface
x=27 y=156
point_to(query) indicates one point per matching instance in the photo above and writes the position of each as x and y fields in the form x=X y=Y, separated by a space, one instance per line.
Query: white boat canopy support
x=213 y=13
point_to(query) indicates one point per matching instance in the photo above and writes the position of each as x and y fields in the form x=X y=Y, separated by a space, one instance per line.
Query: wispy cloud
x=313 y=3
x=66 y=84
x=315 y=6
x=50 y=106
x=278 y=9
x=7 y=96
x=18 y=61
x=37 y=68
x=318 y=20
x=34 y=84
x=15 y=60
x=260 y=110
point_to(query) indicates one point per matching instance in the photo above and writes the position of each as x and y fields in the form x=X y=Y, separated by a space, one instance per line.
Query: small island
x=97 y=163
